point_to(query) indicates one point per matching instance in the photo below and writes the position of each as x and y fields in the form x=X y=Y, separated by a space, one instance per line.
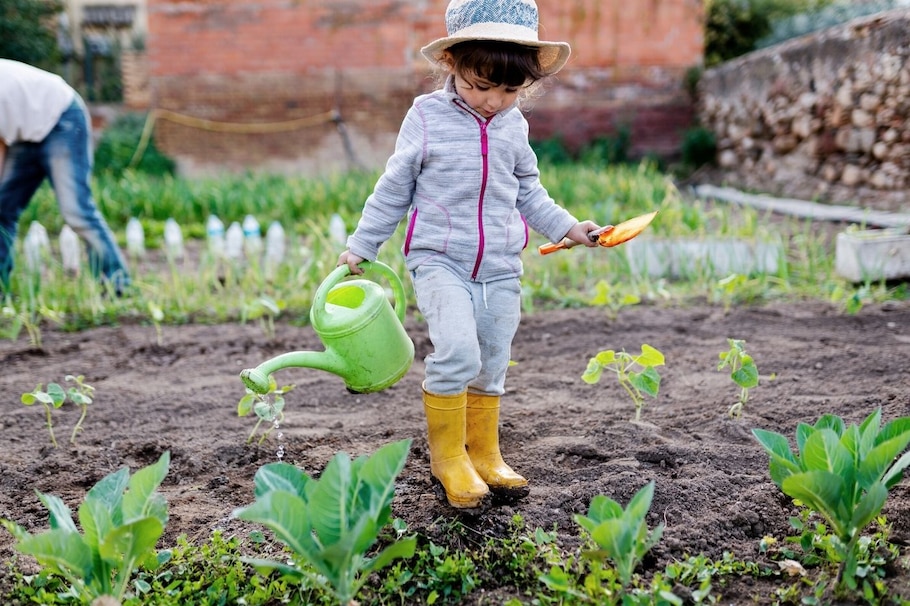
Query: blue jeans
x=65 y=158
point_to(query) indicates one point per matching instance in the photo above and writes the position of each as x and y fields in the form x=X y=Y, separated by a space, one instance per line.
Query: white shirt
x=31 y=101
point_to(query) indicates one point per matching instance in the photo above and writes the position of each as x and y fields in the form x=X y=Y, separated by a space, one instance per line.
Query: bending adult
x=45 y=133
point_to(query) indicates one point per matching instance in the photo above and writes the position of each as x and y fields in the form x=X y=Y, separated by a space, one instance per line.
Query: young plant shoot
x=622 y=535
x=636 y=374
x=743 y=372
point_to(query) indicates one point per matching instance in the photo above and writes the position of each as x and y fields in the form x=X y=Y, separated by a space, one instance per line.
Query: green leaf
x=821 y=491
x=824 y=451
x=591 y=375
x=404 y=548
x=869 y=506
x=331 y=499
x=57 y=394
x=747 y=376
x=894 y=473
x=61 y=552
x=650 y=357
x=280 y=476
x=638 y=507
x=245 y=405
x=832 y=422
x=141 y=500
x=774 y=443
x=880 y=458
x=605 y=358
x=379 y=472
x=285 y=514
x=647 y=381
x=616 y=538
x=60 y=516
x=130 y=542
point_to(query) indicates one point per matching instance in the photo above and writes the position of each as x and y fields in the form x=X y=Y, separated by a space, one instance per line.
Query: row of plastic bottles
x=238 y=241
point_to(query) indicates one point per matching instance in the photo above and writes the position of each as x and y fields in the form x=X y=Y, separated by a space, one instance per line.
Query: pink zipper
x=484 y=148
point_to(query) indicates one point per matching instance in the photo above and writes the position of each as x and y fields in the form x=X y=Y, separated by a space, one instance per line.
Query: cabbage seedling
x=331 y=522
x=621 y=534
x=843 y=473
x=122 y=519
x=637 y=383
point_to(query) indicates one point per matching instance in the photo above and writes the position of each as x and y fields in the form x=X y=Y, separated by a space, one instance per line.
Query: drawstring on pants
x=484 y=286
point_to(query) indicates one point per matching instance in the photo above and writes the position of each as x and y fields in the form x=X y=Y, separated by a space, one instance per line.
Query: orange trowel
x=608 y=236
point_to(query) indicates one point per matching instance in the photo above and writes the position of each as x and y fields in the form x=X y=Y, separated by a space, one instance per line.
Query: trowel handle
x=549 y=247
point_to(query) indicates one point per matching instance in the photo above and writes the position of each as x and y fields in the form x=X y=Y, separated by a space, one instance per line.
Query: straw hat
x=499 y=20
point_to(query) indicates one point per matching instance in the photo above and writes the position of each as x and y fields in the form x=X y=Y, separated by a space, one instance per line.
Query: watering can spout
x=257 y=379
x=364 y=337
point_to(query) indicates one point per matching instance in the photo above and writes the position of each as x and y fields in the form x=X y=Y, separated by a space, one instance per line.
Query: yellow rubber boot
x=482 y=440
x=449 y=461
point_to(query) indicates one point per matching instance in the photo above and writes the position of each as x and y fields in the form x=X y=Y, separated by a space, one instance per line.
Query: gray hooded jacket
x=470 y=186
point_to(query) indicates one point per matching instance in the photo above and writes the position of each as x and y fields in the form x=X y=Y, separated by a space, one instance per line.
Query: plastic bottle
x=36 y=246
x=214 y=234
x=70 y=250
x=233 y=242
x=252 y=237
x=337 y=231
x=275 y=245
x=135 y=238
x=173 y=239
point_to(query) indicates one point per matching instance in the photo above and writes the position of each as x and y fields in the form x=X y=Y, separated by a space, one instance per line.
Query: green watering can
x=365 y=341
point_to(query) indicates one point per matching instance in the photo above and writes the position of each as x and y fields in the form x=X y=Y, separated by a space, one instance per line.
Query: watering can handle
x=343 y=271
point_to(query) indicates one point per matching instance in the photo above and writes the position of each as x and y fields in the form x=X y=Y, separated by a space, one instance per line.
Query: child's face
x=484 y=97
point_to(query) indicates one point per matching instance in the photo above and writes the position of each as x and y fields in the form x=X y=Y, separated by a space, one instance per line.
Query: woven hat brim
x=553 y=55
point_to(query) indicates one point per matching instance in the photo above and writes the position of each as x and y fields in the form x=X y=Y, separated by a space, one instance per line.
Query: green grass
x=201 y=289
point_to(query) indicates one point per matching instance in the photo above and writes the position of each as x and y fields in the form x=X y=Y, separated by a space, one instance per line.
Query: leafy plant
x=81 y=395
x=621 y=534
x=743 y=372
x=332 y=522
x=614 y=299
x=637 y=383
x=122 y=519
x=268 y=407
x=55 y=396
x=843 y=473
x=265 y=309
x=52 y=398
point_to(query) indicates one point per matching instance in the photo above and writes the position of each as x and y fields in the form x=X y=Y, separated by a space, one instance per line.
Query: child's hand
x=352 y=261
x=579 y=233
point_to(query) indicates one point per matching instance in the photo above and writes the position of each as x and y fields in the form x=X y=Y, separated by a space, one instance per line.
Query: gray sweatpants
x=471 y=326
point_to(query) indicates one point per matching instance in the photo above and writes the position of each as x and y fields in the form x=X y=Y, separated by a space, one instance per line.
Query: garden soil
x=572 y=440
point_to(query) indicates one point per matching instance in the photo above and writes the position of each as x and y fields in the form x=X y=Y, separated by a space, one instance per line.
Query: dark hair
x=499 y=62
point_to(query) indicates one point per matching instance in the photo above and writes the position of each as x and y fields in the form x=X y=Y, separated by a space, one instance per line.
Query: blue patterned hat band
x=499 y=20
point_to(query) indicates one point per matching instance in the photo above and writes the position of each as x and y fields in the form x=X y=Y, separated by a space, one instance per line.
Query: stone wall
x=825 y=116
x=274 y=61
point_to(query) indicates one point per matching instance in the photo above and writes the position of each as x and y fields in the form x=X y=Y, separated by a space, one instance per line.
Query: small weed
x=55 y=396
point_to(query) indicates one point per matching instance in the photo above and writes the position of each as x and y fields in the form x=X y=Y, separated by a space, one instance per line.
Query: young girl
x=465 y=173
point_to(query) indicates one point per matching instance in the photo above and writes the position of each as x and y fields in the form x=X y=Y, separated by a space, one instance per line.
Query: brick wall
x=272 y=61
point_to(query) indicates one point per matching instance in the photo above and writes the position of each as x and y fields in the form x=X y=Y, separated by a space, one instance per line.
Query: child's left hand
x=579 y=233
